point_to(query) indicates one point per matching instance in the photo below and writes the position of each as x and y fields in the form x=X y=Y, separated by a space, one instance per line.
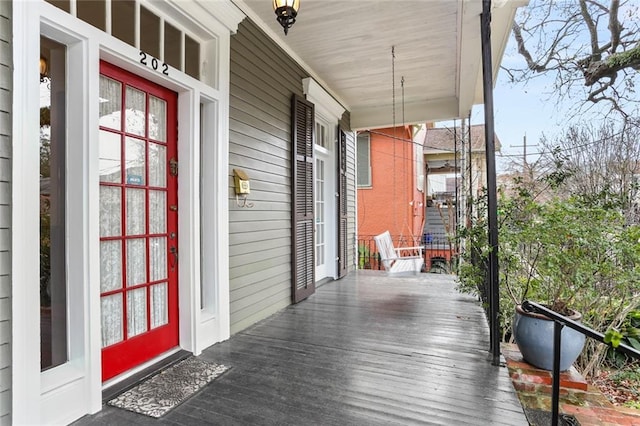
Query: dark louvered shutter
x=302 y=198
x=342 y=204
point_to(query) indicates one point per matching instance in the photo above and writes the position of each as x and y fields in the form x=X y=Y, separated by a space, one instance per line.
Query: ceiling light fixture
x=286 y=11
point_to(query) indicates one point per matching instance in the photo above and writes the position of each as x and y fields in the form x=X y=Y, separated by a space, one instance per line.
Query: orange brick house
x=390 y=185
x=411 y=189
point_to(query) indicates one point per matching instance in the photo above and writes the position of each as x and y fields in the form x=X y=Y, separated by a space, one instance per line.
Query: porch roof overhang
x=346 y=46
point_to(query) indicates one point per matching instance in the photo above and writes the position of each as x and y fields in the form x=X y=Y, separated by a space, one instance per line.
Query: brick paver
x=585 y=402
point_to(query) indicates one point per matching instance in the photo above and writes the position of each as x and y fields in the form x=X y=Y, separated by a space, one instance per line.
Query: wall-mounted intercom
x=242 y=187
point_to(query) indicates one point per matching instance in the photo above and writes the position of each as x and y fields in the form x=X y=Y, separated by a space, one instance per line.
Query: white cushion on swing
x=403 y=259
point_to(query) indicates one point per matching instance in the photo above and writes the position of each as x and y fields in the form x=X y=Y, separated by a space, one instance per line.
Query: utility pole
x=524 y=154
x=526 y=170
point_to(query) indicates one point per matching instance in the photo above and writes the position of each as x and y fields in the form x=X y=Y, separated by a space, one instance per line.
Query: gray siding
x=352 y=192
x=263 y=80
x=5 y=211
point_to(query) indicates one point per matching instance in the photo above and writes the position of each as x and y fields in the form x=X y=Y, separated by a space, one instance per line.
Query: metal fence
x=439 y=253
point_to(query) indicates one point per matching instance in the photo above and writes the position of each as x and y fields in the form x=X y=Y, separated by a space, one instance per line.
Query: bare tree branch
x=614 y=25
x=616 y=62
x=591 y=46
x=517 y=33
x=593 y=31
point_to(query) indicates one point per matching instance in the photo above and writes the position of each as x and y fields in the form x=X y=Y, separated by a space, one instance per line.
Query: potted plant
x=575 y=258
x=547 y=256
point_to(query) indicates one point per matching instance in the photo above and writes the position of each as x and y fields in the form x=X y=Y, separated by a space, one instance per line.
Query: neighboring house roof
x=440 y=140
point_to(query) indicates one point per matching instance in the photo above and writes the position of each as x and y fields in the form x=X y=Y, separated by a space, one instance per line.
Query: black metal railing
x=559 y=322
x=439 y=252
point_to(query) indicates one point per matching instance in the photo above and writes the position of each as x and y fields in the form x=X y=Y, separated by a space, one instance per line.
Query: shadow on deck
x=367 y=349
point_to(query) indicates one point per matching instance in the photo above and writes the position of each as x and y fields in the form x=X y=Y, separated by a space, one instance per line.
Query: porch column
x=492 y=198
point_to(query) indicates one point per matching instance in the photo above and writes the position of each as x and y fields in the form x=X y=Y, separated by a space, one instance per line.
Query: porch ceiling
x=346 y=46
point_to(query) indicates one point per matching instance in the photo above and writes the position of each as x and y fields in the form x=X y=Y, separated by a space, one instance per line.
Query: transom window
x=140 y=27
x=322 y=134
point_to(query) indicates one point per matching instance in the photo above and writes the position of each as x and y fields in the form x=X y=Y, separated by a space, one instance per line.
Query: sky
x=528 y=109
x=521 y=110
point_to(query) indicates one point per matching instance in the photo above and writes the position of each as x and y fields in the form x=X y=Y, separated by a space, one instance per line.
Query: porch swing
x=401 y=259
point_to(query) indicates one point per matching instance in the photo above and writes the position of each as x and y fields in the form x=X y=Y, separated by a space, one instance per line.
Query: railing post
x=555 y=392
x=559 y=322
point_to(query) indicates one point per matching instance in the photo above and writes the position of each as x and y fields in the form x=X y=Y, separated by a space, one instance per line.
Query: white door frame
x=328 y=111
x=74 y=388
x=328 y=156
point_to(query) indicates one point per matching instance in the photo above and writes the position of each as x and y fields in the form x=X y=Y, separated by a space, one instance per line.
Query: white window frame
x=366 y=170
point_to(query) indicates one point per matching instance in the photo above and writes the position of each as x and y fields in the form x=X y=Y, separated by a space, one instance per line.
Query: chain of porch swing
x=395 y=139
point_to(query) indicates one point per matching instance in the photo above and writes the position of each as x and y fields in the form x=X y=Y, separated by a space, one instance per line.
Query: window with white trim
x=364 y=160
x=53 y=232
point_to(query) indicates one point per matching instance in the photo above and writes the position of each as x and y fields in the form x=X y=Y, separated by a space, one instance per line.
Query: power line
x=571 y=148
x=409 y=141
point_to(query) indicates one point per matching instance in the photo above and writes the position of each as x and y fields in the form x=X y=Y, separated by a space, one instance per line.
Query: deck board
x=365 y=350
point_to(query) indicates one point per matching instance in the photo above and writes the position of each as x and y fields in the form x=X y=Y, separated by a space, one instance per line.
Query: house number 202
x=152 y=62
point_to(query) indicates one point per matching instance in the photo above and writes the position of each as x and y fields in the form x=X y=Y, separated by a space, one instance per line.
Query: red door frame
x=136 y=350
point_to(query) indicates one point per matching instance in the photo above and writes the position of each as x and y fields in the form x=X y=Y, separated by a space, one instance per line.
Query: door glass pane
x=159 y=305
x=53 y=197
x=110 y=157
x=158 y=119
x=136 y=311
x=135 y=121
x=134 y=157
x=136 y=262
x=157 y=212
x=157 y=165
x=135 y=211
x=110 y=211
x=110 y=266
x=111 y=319
x=110 y=103
x=319 y=213
x=158 y=258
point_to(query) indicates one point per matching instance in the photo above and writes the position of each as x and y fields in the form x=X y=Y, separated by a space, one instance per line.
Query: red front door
x=138 y=220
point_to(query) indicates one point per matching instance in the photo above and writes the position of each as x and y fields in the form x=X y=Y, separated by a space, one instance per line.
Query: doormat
x=158 y=394
x=543 y=418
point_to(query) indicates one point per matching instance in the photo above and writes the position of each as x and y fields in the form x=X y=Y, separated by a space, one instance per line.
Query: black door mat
x=158 y=394
x=543 y=418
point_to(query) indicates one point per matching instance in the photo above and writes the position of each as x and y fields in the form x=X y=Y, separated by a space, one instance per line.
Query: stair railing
x=559 y=322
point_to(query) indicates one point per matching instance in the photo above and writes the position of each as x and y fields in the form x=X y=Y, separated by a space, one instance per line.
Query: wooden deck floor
x=365 y=350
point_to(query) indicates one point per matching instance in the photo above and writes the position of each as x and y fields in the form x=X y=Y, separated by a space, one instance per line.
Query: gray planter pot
x=534 y=337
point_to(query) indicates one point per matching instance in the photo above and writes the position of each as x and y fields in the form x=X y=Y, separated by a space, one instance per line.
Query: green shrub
x=562 y=253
